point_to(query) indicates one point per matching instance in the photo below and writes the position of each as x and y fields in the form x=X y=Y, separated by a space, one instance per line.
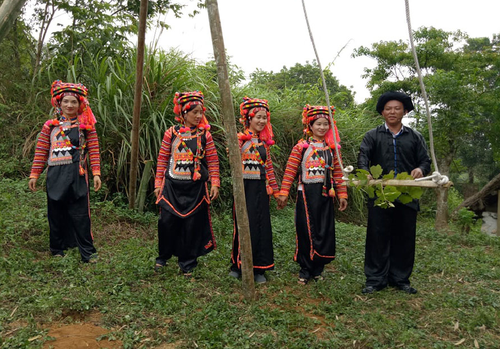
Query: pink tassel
x=196 y=176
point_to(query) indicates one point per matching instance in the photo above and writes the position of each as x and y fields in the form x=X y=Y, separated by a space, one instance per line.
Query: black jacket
x=408 y=152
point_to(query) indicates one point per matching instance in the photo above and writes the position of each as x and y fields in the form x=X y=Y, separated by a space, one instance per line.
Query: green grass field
x=457 y=275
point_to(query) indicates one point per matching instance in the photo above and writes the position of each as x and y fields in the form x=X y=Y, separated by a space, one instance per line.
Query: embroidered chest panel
x=60 y=152
x=182 y=157
x=253 y=158
x=313 y=163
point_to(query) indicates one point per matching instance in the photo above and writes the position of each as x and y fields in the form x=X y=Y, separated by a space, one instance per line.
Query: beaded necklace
x=60 y=123
x=196 y=157
x=331 y=191
x=269 y=189
x=55 y=122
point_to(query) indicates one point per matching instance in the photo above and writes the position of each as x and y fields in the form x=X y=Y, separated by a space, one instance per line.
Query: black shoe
x=259 y=278
x=407 y=288
x=235 y=274
x=369 y=290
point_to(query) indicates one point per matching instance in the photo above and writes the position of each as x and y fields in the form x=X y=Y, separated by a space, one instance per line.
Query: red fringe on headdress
x=60 y=89
x=248 y=108
x=185 y=100
x=314 y=112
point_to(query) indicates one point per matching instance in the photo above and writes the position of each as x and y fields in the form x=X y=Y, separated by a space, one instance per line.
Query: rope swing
x=347 y=169
x=436 y=177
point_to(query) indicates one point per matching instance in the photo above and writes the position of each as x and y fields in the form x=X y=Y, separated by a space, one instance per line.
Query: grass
x=458 y=303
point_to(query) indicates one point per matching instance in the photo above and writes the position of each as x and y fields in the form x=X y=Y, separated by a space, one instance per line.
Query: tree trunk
x=44 y=28
x=441 y=222
x=442 y=216
x=234 y=152
x=8 y=13
x=494 y=184
x=136 y=119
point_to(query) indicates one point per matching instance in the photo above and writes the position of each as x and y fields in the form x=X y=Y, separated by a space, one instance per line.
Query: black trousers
x=390 y=245
x=70 y=222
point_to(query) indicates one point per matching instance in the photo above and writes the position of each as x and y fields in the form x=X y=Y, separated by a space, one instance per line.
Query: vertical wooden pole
x=8 y=13
x=234 y=152
x=134 y=153
x=498 y=212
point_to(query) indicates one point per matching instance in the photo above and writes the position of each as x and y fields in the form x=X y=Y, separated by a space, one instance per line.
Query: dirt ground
x=78 y=336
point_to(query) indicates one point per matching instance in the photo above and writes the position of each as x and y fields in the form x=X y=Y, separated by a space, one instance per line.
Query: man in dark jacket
x=390 y=235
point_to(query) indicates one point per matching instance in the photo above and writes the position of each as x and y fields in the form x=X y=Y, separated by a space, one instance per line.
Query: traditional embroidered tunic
x=258 y=173
x=314 y=212
x=67 y=189
x=184 y=227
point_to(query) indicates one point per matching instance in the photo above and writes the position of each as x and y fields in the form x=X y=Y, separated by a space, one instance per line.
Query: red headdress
x=185 y=101
x=248 y=108
x=60 y=89
x=311 y=113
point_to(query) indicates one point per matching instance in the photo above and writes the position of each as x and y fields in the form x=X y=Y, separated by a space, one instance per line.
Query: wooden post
x=498 y=211
x=8 y=13
x=234 y=150
x=134 y=153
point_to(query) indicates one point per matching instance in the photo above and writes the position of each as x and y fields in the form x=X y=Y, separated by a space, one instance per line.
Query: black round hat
x=391 y=96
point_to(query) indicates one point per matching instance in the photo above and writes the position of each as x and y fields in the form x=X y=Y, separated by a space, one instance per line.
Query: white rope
x=347 y=169
x=436 y=176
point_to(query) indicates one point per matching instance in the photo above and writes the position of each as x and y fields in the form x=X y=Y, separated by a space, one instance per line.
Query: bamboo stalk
x=234 y=152
x=143 y=187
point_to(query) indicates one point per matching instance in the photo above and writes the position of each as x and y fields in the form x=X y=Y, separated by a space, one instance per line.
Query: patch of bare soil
x=80 y=336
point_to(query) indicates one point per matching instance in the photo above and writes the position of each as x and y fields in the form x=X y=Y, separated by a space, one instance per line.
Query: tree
x=458 y=73
x=305 y=77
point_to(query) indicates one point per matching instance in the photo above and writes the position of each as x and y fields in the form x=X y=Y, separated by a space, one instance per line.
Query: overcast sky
x=270 y=34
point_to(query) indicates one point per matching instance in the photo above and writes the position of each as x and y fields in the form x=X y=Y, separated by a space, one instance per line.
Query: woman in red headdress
x=315 y=161
x=260 y=184
x=64 y=144
x=186 y=162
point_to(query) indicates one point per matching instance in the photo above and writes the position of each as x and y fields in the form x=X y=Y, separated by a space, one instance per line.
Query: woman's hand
x=342 y=204
x=32 y=184
x=157 y=192
x=97 y=183
x=214 y=193
x=282 y=201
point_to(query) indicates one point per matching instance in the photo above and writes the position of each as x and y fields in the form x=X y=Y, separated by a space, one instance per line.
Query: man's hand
x=417 y=173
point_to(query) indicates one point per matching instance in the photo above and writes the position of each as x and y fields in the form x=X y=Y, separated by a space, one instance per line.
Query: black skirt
x=261 y=234
x=315 y=224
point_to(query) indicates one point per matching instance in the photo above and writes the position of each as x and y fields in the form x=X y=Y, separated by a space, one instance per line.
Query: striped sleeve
x=94 y=153
x=292 y=168
x=270 y=172
x=212 y=160
x=41 y=152
x=337 y=177
x=163 y=157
